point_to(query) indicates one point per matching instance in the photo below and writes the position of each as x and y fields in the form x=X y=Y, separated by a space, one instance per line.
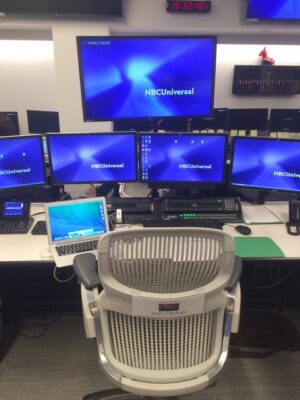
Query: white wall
x=229 y=55
x=44 y=74
x=27 y=78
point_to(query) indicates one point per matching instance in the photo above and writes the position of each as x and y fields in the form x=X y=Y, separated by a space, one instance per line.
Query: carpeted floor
x=50 y=359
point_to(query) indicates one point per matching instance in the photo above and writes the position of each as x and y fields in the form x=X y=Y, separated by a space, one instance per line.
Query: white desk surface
x=27 y=248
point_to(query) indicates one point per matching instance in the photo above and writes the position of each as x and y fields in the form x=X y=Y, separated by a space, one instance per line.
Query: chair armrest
x=236 y=273
x=85 y=267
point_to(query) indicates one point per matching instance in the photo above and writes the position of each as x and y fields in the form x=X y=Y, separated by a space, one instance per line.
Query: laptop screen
x=76 y=219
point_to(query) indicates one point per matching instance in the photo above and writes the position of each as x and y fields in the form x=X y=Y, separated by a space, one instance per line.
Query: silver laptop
x=74 y=227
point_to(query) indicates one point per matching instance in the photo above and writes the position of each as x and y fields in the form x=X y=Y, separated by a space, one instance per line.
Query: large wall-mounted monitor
x=42 y=121
x=248 y=119
x=21 y=162
x=191 y=159
x=9 y=123
x=284 y=120
x=87 y=7
x=288 y=10
x=265 y=163
x=92 y=157
x=146 y=76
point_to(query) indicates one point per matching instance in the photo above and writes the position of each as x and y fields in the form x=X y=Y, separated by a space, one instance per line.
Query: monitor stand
x=262 y=196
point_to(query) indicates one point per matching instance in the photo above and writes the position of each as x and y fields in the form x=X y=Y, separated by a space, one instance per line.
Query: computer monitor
x=92 y=157
x=43 y=121
x=190 y=160
x=134 y=124
x=288 y=10
x=65 y=7
x=284 y=120
x=266 y=164
x=216 y=121
x=9 y=123
x=21 y=162
x=248 y=119
x=146 y=76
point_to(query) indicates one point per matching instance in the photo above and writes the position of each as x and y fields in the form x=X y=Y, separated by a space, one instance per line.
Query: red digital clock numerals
x=188 y=6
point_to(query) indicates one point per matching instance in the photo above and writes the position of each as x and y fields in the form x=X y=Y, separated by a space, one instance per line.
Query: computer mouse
x=243 y=229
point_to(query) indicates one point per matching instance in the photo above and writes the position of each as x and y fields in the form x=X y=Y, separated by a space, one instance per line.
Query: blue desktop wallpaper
x=146 y=77
x=77 y=220
x=266 y=164
x=182 y=158
x=83 y=158
x=21 y=162
x=274 y=9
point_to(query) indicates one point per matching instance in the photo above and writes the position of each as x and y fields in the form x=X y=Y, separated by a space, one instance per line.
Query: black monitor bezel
x=20 y=187
x=258 y=188
x=61 y=135
x=15 y=121
x=212 y=118
x=42 y=131
x=183 y=184
x=262 y=109
x=146 y=37
x=274 y=110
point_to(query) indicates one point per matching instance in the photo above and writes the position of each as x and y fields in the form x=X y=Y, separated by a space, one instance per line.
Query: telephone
x=293 y=226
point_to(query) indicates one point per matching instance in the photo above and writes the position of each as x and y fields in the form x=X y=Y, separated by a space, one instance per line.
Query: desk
x=28 y=248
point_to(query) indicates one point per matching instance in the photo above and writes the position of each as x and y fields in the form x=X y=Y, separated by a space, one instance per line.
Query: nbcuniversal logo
x=170 y=92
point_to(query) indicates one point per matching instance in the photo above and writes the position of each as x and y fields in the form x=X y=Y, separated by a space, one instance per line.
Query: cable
x=37 y=213
x=62 y=280
x=28 y=321
x=273 y=284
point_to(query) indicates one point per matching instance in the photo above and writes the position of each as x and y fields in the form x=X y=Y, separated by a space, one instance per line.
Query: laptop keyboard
x=79 y=247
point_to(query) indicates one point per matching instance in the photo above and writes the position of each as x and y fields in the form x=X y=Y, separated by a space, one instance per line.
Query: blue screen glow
x=88 y=158
x=70 y=221
x=132 y=77
x=266 y=164
x=182 y=158
x=21 y=162
x=274 y=9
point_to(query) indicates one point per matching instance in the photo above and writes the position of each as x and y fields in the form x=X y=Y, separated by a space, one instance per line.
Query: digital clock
x=188 y=6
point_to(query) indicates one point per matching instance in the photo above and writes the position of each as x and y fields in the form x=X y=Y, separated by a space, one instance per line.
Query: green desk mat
x=257 y=247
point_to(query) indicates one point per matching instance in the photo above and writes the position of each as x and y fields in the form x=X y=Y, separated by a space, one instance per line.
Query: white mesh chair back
x=166 y=260
x=163 y=304
x=134 y=189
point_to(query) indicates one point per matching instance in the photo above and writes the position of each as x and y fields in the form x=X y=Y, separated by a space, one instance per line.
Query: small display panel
x=92 y=157
x=266 y=164
x=189 y=158
x=21 y=162
x=13 y=208
x=42 y=121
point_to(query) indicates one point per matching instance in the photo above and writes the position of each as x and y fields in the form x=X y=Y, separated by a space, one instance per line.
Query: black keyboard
x=79 y=247
x=8 y=226
x=184 y=224
x=40 y=228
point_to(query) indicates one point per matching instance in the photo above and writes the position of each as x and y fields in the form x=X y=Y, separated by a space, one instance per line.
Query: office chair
x=134 y=189
x=169 y=301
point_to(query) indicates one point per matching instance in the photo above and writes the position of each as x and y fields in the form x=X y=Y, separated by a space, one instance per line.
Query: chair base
x=118 y=394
